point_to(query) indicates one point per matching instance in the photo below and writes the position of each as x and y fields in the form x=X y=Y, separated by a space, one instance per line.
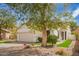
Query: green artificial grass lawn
x=65 y=44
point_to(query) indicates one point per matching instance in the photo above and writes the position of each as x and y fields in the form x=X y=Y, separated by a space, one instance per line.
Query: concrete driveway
x=9 y=45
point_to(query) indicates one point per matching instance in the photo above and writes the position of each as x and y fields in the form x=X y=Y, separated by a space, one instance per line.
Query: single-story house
x=26 y=35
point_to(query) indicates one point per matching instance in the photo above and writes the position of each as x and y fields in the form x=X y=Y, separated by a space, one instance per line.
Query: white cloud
x=75 y=13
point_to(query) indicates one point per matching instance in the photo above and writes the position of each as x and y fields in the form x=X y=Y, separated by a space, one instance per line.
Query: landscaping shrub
x=52 y=39
x=27 y=46
x=39 y=39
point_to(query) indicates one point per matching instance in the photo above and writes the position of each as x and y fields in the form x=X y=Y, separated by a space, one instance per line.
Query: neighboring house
x=5 y=34
x=27 y=35
x=76 y=32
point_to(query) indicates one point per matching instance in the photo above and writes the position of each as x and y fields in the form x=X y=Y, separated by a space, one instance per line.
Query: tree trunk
x=0 y=33
x=44 y=38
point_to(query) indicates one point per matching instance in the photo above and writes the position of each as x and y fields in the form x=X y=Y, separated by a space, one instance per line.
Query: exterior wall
x=26 y=35
x=68 y=33
x=60 y=37
x=73 y=37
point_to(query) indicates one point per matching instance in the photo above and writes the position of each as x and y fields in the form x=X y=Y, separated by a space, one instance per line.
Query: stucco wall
x=25 y=34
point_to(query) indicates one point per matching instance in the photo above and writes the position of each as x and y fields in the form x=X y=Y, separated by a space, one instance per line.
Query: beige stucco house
x=27 y=35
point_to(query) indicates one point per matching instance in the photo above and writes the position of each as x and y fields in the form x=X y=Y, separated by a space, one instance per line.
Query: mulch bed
x=38 y=51
x=28 y=50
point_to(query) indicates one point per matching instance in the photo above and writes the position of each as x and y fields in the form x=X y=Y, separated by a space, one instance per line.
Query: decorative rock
x=27 y=46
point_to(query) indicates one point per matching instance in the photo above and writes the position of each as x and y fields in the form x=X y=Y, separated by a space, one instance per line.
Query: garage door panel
x=28 y=37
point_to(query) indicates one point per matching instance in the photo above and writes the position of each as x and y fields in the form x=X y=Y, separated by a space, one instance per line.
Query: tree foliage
x=43 y=17
x=38 y=16
x=6 y=19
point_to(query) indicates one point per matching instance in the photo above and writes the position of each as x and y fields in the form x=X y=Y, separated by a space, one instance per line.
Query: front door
x=63 y=35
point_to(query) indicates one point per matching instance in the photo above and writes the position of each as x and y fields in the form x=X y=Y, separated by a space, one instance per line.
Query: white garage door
x=28 y=37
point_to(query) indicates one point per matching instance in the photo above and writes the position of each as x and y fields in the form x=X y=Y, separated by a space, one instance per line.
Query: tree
x=73 y=25
x=40 y=17
x=7 y=20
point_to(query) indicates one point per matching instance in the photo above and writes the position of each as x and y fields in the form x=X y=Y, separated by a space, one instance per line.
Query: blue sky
x=74 y=8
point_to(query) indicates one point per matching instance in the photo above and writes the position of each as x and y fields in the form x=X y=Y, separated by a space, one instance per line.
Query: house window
x=65 y=35
x=62 y=35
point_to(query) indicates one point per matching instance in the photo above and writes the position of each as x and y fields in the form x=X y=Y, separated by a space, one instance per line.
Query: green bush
x=39 y=39
x=52 y=39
